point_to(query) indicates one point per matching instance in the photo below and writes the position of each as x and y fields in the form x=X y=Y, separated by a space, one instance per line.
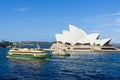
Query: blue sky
x=39 y=20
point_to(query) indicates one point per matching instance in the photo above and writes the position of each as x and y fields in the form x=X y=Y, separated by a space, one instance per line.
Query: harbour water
x=78 y=66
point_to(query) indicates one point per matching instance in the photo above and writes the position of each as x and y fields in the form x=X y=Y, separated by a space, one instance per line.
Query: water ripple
x=79 y=66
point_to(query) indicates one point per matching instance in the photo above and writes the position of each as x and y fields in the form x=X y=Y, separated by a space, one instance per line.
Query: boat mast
x=38 y=46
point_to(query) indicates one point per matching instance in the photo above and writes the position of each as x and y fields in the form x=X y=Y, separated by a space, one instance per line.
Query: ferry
x=26 y=53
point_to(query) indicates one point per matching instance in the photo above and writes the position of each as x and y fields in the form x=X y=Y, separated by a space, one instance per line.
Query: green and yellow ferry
x=25 y=53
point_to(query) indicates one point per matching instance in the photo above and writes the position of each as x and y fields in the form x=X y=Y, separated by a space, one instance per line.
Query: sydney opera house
x=78 y=40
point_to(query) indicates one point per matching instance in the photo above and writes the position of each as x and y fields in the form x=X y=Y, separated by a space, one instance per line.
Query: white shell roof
x=76 y=35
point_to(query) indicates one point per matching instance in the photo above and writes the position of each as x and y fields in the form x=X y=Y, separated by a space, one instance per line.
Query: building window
x=81 y=48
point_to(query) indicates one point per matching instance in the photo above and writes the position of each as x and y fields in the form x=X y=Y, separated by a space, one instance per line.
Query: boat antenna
x=15 y=45
x=38 y=46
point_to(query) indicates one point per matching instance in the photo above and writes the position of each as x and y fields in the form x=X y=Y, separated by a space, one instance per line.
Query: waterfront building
x=78 y=40
x=76 y=35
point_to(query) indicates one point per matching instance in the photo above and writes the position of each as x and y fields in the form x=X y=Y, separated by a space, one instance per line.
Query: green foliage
x=6 y=44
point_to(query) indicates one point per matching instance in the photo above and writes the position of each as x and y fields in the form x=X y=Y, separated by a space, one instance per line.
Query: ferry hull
x=27 y=56
x=66 y=54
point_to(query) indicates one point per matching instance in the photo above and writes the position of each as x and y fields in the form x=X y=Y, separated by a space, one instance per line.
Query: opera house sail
x=78 y=40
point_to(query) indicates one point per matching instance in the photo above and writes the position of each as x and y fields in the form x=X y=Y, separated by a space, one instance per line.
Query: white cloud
x=117 y=30
x=112 y=14
x=104 y=25
x=116 y=14
x=118 y=21
x=107 y=20
x=104 y=17
x=96 y=31
x=21 y=9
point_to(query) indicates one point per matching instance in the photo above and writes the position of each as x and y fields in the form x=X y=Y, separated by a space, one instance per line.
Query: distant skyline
x=40 y=20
